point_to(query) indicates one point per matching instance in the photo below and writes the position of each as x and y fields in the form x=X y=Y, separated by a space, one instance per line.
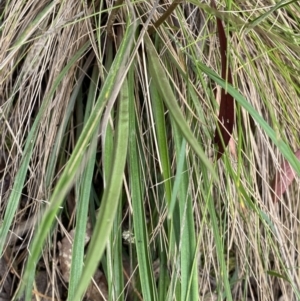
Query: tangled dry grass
x=55 y=56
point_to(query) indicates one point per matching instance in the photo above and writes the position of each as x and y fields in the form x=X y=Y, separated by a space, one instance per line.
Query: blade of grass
x=161 y=81
x=62 y=128
x=160 y=126
x=187 y=240
x=107 y=161
x=111 y=196
x=81 y=221
x=15 y=195
x=164 y=17
x=137 y=199
x=179 y=172
x=83 y=200
x=164 y=280
x=262 y=17
x=109 y=90
x=278 y=141
x=28 y=32
x=218 y=239
x=114 y=258
x=115 y=253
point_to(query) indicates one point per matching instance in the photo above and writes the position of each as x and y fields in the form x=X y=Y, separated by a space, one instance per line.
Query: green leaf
x=137 y=198
x=83 y=201
x=161 y=80
x=277 y=140
x=75 y=164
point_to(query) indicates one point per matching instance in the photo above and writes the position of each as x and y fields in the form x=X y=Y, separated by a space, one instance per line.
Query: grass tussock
x=108 y=112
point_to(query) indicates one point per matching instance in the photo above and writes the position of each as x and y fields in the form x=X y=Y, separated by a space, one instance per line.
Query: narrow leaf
x=137 y=195
x=226 y=115
x=110 y=198
x=278 y=141
x=108 y=93
x=160 y=79
x=278 y=275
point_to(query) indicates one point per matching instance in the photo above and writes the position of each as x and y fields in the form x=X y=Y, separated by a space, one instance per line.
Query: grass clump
x=108 y=113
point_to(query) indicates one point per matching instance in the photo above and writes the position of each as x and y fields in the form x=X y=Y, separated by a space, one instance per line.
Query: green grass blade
x=162 y=140
x=187 y=244
x=110 y=199
x=109 y=91
x=161 y=81
x=178 y=178
x=113 y=259
x=277 y=140
x=81 y=222
x=262 y=17
x=137 y=197
x=164 y=279
x=62 y=128
x=114 y=253
x=83 y=201
x=13 y=201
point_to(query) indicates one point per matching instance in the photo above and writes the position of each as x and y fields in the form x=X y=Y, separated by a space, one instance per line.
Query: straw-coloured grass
x=108 y=114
